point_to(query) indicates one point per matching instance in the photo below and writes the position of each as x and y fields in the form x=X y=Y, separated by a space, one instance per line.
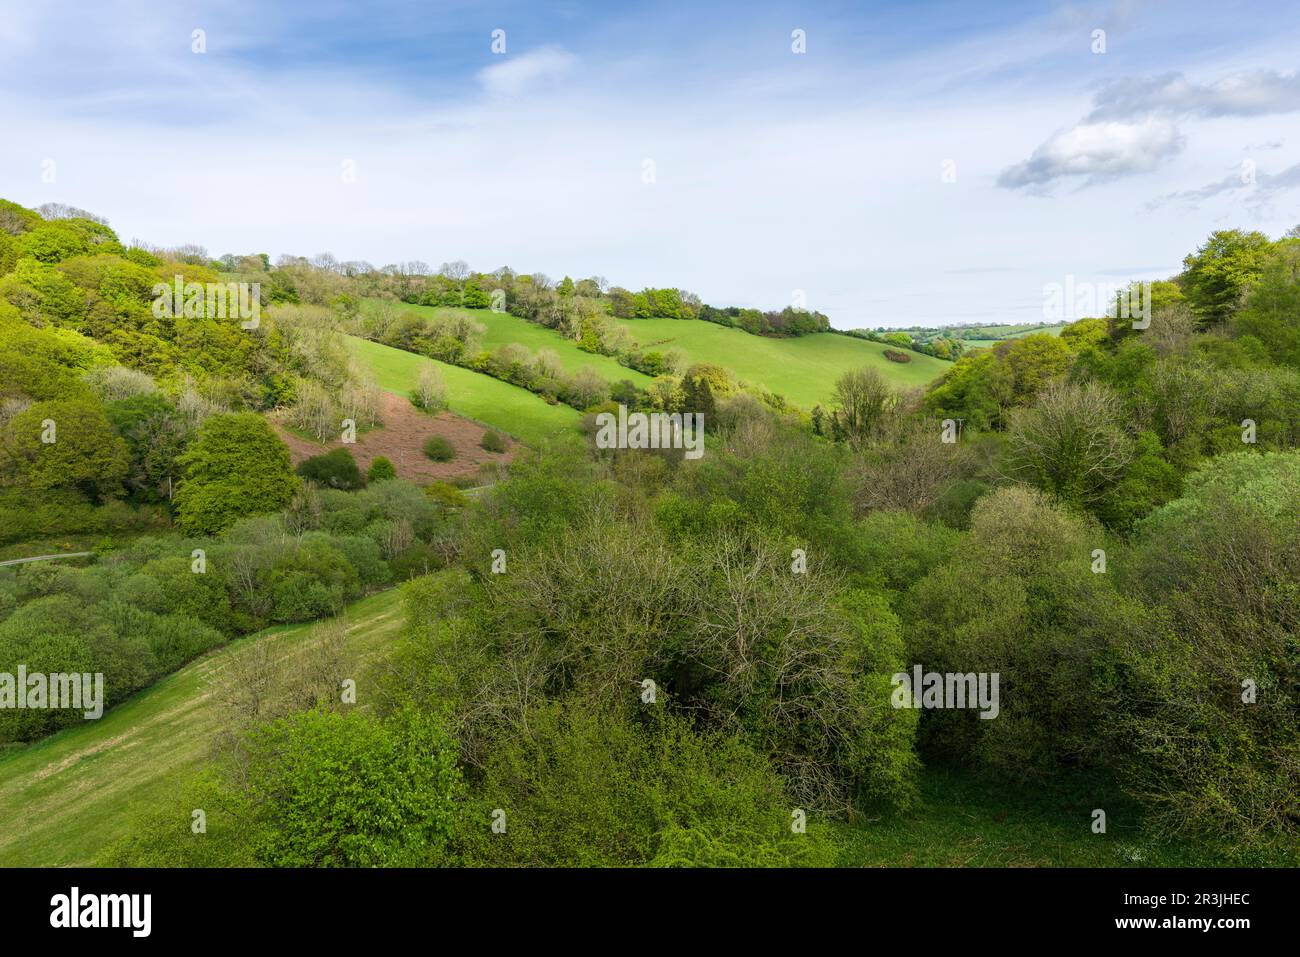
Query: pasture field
x=503 y=328
x=802 y=369
x=482 y=398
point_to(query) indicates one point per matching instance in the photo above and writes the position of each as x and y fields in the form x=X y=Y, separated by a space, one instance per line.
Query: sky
x=888 y=164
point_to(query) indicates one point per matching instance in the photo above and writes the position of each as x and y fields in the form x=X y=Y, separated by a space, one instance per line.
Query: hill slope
x=803 y=369
x=503 y=328
x=67 y=796
x=474 y=395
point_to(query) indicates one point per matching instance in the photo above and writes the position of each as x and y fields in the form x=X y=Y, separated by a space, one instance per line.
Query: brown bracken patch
x=401 y=439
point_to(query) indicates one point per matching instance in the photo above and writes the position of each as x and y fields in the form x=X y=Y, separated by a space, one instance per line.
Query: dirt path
x=401 y=439
x=46 y=558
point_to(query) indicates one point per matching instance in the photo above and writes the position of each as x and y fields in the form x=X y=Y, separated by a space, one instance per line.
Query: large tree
x=1072 y=443
x=864 y=400
x=1217 y=275
x=68 y=444
x=236 y=466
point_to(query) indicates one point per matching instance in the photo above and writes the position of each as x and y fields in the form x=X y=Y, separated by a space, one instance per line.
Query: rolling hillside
x=504 y=328
x=803 y=370
x=476 y=396
x=67 y=796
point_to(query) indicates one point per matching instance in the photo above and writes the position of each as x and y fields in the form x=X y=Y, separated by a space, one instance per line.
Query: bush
x=430 y=392
x=492 y=442
x=595 y=789
x=381 y=470
x=315 y=789
x=799 y=667
x=1018 y=598
x=1204 y=716
x=893 y=355
x=445 y=494
x=439 y=449
x=335 y=469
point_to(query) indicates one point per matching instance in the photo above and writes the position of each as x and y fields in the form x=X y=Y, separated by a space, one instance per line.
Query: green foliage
x=591 y=789
x=702 y=385
x=64 y=444
x=236 y=466
x=439 y=448
x=797 y=665
x=1205 y=713
x=1019 y=599
x=1071 y=443
x=1217 y=276
x=1270 y=316
x=381 y=470
x=155 y=434
x=492 y=442
x=335 y=468
x=344 y=790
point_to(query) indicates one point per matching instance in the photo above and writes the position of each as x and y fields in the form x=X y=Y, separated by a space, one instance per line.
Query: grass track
x=64 y=798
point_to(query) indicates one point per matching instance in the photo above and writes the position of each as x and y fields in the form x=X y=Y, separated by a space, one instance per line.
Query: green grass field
x=489 y=401
x=803 y=370
x=503 y=328
x=66 y=797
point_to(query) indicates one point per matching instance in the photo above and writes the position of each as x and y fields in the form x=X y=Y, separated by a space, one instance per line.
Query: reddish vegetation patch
x=894 y=355
x=401 y=439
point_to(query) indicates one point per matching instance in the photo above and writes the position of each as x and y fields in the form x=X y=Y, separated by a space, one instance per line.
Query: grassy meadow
x=503 y=328
x=490 y=401
x=802 y=369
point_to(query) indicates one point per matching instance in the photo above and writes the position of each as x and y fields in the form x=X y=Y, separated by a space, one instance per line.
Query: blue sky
x=775 y=174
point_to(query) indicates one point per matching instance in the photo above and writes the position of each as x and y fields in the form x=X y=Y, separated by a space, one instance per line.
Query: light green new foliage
x=236 y=466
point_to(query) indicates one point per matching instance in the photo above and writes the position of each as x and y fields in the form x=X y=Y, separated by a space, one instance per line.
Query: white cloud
x=1132 y=126
x=526 y=73
x=1258 y=93
x=1098 y=151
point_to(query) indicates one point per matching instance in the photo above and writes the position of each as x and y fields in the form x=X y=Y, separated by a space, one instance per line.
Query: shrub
x=1204 y=717
x=430 y=392
x=592 y=788
x=445 y=494
x=335 y=469
x=381 y=470
x=492 y=442
x=316 y=789
x=893 y=355
x=439 y=449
